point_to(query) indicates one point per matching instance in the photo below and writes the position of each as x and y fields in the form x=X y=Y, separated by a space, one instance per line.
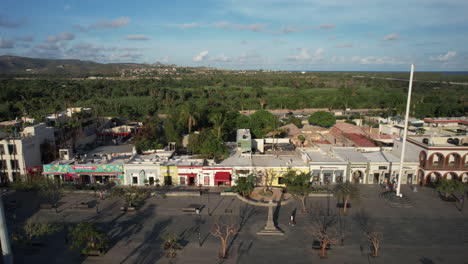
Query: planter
x=94 y=252
x=46 y=206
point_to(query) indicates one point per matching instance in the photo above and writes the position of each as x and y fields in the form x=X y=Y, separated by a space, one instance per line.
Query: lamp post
x=197 y=211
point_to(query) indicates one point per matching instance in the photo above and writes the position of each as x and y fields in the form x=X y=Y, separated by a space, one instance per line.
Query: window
x=182 y=181
x=12 y=149
x=281 y=180
x=3 y=164
x=382 y=167
x=14 y=164
x=2 y=149
x=16 y=176
x=3 y=177
x=134 y=180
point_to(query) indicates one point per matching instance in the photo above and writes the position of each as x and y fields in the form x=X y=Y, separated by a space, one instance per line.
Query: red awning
x=222 y=176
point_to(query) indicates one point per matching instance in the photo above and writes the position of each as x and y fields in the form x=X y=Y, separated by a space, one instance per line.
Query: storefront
x=86 y=174
x=222 y=178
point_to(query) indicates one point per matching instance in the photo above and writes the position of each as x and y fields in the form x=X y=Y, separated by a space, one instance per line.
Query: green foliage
x=35 y=228
x=208 y=145
x=88 y=237
x=350 y=122
x=133 y=195
x=28 y=185
x=302 y=139
x=245 y=185
x=347 y=191
x=294 y=120
x=322 y=118
x=261 y=122
x=51 y=191
x=450 y=186
x=171 y=243
x=297 y=183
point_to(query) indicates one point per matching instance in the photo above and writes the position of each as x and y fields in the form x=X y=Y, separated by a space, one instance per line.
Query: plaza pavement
x=430 y=232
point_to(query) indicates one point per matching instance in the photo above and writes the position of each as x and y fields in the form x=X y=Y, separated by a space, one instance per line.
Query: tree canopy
x=322 y=118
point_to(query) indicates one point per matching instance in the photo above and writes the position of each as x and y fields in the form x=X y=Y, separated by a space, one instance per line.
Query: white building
x=22 y=154
x=438 y=157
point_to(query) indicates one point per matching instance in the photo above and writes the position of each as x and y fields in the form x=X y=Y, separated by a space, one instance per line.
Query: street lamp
x=197 y=211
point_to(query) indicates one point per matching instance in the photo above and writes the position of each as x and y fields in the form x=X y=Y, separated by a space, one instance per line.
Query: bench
x=82 y=206
x=45 y=206
x=189 y=210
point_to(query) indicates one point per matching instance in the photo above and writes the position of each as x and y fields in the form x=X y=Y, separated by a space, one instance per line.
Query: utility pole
x=4 y=238
x=405 y=131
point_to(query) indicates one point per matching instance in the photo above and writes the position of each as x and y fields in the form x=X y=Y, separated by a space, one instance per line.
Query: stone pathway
x=394 y=201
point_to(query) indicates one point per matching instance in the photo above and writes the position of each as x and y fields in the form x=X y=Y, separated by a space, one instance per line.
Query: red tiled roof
x=360 y=140
x=377 y=136
x=349 y=129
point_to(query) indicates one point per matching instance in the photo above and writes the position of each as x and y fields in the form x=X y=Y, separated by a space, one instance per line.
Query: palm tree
x=190 y=115
x=218 y=121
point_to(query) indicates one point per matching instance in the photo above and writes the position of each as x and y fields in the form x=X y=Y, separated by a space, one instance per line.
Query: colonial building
x=438 y=157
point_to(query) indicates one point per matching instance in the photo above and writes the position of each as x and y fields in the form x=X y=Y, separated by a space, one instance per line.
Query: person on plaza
x=291 y=220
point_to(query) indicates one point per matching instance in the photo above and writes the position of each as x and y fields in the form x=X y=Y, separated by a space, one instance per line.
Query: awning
x=222 y=176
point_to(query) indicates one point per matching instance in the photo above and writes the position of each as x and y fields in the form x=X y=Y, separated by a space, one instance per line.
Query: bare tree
x=323 y=230
x=374 y=238
x=268 y=178
x=223 y=232
x=368 y=227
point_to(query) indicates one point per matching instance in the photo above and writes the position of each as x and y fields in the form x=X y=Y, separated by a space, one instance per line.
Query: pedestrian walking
x=291 y=220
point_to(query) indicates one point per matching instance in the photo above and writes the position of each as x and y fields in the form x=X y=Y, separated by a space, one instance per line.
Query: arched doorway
x=464 y=177
x=436 y=161
x=432 y=179
x=451 y=176
x=453 y=161
x=358 y=176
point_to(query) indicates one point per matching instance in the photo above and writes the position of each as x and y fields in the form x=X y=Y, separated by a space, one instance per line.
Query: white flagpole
x=405 y=131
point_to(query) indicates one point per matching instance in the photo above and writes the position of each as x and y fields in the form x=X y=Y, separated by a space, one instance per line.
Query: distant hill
x=13 y=65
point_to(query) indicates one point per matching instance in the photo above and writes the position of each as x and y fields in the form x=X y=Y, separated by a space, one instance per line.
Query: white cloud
x=6 y=43
x=200 y=57
x=444 y=57
x=222 y=24
x=304 y=55
x=338 y=59
x=66 y=7
x=289 y=29
x=393 y=36
x=116 y=23
x=136 y=37
x=374 y=60
x=250 y=56
x=327 y=26
x=5 y=22
x=345 y=45
x=220 y=58
x=164 y=59
x=26 y=39
x=189 y=25
x=61 y=36
x=251 y=27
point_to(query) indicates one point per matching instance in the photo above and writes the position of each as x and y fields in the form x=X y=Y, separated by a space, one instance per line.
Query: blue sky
x=377 y=35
